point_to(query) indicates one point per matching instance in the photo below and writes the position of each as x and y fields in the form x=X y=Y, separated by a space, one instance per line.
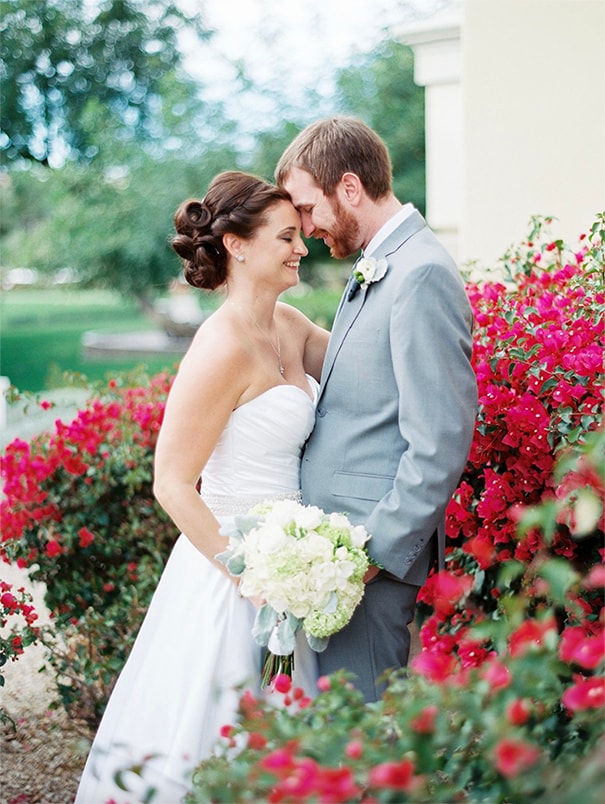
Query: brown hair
x=235 y=203
x=327 y=149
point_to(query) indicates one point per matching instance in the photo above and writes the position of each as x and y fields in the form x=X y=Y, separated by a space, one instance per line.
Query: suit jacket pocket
x=361 y=487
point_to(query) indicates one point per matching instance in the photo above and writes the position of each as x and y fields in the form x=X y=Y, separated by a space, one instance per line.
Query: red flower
x=531 y=635
x=444 y=590
x=518 y=711
x=437 y=667
x=472 y=653
x=256 y=741
x=8 y=600
x=354 y=749
x=496 y=674
x=53 y=548
x=278 y=760
x=578 y=648
x=86 y=537
x=282 y=682
x=512 y=757
x=596 y=577
x=393 y=775
x=424 y=722
x=323 y=683
x=481 y=547
x=586 y=693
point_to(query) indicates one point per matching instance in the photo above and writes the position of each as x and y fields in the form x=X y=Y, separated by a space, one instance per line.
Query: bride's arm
x=316 y=344
x=206 y=389
x=313 y=339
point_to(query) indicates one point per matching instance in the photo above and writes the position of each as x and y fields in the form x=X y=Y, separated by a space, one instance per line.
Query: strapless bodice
x=258 y=454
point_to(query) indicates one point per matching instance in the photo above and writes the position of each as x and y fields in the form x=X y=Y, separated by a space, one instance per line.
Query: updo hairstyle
x=236 y=203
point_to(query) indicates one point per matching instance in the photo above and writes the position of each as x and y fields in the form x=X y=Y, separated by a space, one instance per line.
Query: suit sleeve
x=431 y=345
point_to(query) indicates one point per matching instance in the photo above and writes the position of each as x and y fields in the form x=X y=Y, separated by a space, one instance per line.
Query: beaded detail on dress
x=225 y=505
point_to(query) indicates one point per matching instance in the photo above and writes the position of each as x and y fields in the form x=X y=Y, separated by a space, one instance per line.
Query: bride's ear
x=233 y=245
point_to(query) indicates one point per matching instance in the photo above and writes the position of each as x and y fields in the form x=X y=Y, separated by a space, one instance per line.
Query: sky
x=289 y=46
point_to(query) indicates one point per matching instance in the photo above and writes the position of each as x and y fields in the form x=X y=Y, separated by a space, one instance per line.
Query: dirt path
x=42 y=752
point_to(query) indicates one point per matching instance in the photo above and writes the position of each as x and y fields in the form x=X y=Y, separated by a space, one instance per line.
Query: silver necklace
x=270 y=342
x=265 y=336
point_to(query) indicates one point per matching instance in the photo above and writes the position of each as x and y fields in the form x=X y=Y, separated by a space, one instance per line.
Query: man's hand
x=371 y=572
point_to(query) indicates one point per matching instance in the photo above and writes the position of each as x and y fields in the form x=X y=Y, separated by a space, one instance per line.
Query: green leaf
x=264 y=623
x=560 y=577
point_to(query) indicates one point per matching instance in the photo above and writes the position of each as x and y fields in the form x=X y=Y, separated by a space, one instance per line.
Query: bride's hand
x=257 y=601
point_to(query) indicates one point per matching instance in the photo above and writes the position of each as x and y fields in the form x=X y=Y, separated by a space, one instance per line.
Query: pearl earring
x=240 y=258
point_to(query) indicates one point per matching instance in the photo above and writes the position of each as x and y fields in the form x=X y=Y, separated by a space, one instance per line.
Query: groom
x=396 y=408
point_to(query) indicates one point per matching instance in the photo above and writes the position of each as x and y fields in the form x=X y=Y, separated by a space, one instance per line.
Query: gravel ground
x=42 y=751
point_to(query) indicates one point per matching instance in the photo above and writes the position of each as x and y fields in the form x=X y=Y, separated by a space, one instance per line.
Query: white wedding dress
x=195 y=647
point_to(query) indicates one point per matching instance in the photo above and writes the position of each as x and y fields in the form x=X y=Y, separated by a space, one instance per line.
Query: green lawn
x=40 y=333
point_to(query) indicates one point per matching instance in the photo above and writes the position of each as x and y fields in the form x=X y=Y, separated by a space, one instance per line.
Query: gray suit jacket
x=397 y=404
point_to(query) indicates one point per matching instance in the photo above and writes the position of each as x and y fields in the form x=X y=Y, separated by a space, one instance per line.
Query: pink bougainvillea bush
x=78 y=512
x=538 y=355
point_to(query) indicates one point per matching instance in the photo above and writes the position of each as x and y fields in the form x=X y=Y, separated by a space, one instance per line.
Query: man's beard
x=344 y=233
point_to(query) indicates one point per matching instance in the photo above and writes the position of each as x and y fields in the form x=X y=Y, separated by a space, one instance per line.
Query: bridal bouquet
x=307 y=566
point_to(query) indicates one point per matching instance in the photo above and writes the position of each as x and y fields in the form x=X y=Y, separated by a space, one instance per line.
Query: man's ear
x=351 y=188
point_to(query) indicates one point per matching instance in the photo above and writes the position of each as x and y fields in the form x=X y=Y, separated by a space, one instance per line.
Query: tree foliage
x=104 y=97
x=110 y=225
x=380 y=89
x=60 y=59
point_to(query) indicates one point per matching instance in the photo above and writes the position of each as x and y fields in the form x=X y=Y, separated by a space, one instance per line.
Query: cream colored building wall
x=533 y=111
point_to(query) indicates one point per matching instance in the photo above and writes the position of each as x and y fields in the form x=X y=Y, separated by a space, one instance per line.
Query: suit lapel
x=346 y=315
x=349 y=310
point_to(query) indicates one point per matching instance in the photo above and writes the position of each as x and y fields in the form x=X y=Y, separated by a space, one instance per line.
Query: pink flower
x=354 y=750
x=323 y=683
x=424 y=722
x=53 y=548
x=392 y=775
x=596 y=577
x=447 y=590
x=256 y=741
x=86 y=537
x=518 y=711
x=278 y=760
x=8 y=600
x=472 y=653
x=496 y=674
x=437 y=667
x=578 y=648
x=531 y=635
x=282 y=682
x=586 y=693
x=512 y=757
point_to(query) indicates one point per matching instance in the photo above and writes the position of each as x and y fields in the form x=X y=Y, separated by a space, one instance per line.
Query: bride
x=240 y=409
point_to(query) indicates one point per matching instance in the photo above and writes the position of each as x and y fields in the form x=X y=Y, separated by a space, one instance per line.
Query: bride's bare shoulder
x=220 y=341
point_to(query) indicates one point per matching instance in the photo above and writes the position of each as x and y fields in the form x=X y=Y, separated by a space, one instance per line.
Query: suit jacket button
x=321 y=412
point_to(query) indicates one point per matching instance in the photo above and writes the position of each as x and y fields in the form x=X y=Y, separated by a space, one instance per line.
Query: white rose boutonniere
x=366 y=271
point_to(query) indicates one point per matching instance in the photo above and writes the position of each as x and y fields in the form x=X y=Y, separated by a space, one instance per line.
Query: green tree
x=380 y=89
x=111 y=225
x=60 y=57
x=109 y=218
